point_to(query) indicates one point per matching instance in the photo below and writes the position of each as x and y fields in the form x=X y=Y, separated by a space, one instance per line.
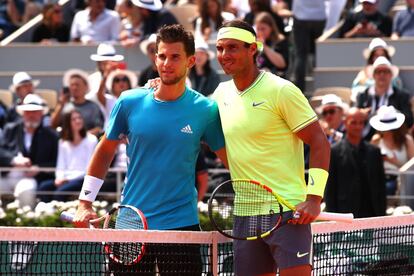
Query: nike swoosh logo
x=300 y=255
x=257 y=104
x=312 y=182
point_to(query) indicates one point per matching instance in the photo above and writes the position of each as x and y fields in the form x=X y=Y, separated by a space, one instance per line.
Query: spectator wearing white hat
x=369 y=22
x=397 y=146
x=30 y=145
x=95 y=24
x=116 y=82
x=148 y=48
x=364 y=79
x=130 y=34
x=77 y=82
x=203 y=77
x=332 y=112
x=107 y=59
x=22 y=85
x=119 y=81
x=383 y=93
x=153 y=16
x=403 y=25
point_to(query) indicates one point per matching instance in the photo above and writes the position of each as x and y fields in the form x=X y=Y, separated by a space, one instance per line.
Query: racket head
x=244 y=209
x=125 y=217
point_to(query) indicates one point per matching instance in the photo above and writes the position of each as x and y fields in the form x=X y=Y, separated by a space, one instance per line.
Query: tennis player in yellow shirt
x=266 y=120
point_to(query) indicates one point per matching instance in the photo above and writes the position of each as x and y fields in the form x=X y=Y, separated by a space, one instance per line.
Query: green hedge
x=48 y=214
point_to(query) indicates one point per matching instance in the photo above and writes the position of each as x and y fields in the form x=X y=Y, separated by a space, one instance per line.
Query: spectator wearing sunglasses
x=52 y=29
x=332 y=111
x=116 y=82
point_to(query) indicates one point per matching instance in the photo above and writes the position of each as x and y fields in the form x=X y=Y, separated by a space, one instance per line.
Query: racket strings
x=248 y=209
x=251 y=199
x=126 y=252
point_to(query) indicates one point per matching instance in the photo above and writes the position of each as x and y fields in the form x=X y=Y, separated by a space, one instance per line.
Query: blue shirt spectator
x=7 y=26
x=404 y=22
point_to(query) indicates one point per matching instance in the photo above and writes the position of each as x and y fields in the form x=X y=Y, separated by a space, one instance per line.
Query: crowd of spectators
x=288 y=30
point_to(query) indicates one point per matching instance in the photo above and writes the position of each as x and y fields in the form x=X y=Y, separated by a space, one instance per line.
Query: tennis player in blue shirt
x=163 y=128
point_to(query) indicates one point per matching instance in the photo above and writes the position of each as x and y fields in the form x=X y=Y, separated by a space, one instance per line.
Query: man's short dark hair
x=176 y=33
x=237 y=23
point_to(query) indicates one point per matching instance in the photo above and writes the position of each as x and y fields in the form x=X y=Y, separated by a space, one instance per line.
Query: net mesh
x=378 y=246
x=372 y=251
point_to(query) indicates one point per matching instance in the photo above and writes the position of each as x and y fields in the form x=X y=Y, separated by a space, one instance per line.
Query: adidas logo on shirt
x=187 y=129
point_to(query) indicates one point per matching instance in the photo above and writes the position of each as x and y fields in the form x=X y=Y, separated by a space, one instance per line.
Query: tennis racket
x=120 y=217
x=244 y=209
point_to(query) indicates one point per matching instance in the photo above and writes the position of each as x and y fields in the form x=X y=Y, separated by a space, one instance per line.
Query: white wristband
x=90 y=188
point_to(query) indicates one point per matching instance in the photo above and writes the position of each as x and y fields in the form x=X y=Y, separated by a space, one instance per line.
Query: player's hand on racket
x=307 y=211
x=84 y=214
x=245 y=209
x=119 y=217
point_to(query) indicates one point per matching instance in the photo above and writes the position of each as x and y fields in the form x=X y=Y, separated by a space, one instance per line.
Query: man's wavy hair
x=176 y=33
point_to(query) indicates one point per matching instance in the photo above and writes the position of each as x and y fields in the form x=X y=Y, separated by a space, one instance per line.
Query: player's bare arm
x=320 y=151
x=98 y=167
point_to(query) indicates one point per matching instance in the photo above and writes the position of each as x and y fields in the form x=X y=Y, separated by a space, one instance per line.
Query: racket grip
x=66 y=216
x=340 y=217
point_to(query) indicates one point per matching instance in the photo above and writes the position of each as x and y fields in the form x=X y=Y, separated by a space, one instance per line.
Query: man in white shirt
x=95 y=24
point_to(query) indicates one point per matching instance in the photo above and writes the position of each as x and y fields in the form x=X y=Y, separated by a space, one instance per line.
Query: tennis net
x=375 y=246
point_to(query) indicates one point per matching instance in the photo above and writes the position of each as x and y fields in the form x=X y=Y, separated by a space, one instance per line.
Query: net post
x=214 y=255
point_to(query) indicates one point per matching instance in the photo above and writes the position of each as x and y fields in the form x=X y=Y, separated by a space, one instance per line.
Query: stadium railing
x=405 y=196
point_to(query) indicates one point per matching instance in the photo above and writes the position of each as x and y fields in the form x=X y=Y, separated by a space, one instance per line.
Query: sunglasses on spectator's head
x=328 y=112
x=118 y=79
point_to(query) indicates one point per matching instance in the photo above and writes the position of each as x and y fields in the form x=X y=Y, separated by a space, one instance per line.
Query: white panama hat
x=152 y=39
x=133 y=80
x=153 y=5
x=69 y=73
x=378 y=43
x=369 y=1
x=201 y=45
x=21 y=77
x=332 y=100
x=383 y=62
x=106 y=52
x=32 y=102
x=387 y=118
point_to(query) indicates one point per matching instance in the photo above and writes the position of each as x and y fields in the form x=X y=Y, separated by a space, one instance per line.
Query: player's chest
x=173 y=125
x=246 y=114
